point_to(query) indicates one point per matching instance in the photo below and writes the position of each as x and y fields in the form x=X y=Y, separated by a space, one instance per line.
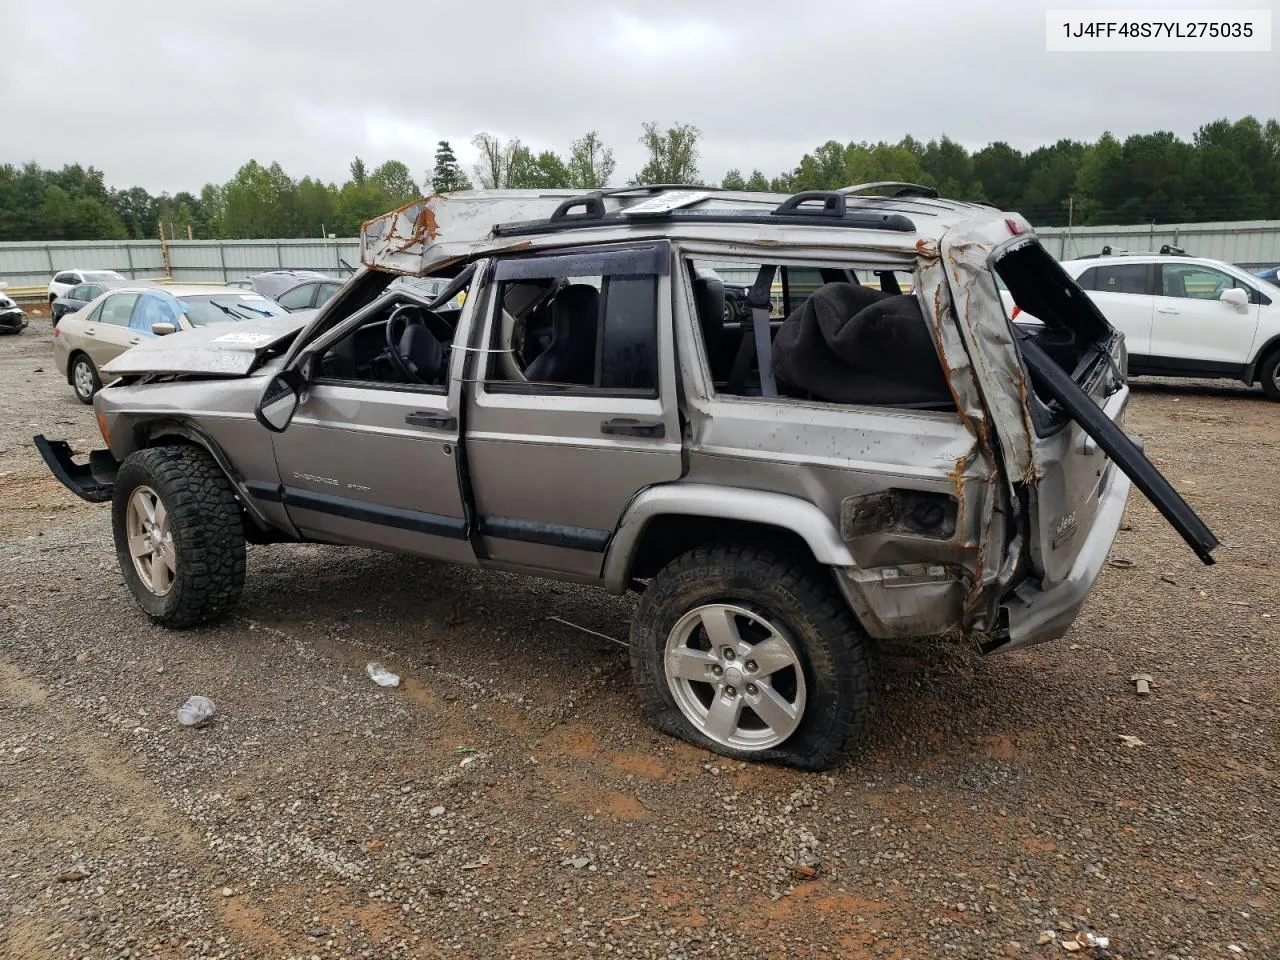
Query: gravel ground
x=509 y=800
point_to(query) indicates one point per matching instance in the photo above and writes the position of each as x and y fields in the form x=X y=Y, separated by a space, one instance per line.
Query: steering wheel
x=404 y=316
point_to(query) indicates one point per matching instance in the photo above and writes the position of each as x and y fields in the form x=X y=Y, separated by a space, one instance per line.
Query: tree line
x=1228 y=171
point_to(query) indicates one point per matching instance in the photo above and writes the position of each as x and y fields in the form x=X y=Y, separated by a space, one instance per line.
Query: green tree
x=446 y=175
x=757 y=182
x=590 y=163
x=1002 y=172
x=733 y=180
x=497 y=157
x=396 y=183
x=673 y=154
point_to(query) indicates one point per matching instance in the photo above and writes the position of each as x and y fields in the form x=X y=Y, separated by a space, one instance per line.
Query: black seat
x=571 y=358
x=708 y=301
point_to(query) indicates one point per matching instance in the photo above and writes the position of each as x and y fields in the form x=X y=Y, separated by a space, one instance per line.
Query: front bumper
x=94 y=481
x=1034 y=615
x=13 y=319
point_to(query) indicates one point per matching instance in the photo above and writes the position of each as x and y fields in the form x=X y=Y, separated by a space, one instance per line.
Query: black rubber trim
x=435 y=524
x=548 y=534
x=270 y=492
x=1055 y=381
x=1149 y=365
x=650 y=259
x=76 y=477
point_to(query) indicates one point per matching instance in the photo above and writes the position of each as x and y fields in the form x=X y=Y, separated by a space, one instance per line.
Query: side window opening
x=839 y=334
x=558 y=327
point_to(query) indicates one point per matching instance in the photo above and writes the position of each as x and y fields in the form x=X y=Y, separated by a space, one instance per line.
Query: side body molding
x=704 y=500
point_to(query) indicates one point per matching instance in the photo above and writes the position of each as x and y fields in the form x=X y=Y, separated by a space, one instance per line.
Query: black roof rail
x=904 y=189
x=652 y=188
x=1173 y=251
x=802 y=204
x=797 y=216
x=594 y=203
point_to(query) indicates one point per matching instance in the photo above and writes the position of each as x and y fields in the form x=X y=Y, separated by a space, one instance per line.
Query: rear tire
x=1269 y=375
x=818 y=705
x=84 y=378
x=179 y=535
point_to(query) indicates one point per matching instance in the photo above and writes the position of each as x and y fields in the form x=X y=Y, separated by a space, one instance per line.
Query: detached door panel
x=574 y=407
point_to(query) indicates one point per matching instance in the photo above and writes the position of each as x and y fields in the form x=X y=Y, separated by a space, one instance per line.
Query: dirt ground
x=509 y=799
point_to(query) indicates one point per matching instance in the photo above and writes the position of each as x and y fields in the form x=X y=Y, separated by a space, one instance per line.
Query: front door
x=375 y=463
x=1194 y=330
x=107 y=333
x=573 y=406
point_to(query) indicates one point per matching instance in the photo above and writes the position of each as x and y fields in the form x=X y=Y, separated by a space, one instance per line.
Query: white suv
x=1187 y=316
x=64 y=280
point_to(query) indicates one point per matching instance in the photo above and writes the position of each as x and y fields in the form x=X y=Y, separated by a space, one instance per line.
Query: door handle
x=626 y=427
x=135 y=340
x=90 y=332
x=1166 y=309
x=421 y=419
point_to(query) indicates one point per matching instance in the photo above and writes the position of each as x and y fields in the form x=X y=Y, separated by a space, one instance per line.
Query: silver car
x=782 y=492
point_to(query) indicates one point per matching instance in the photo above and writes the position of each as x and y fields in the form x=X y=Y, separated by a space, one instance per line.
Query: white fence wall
x=1253 y=244
x=25 y=264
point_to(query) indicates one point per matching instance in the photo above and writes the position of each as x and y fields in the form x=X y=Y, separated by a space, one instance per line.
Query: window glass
x=327 y=290
x=117 y=309
x=1120 y=278
x=1085 y=281
x=573 y=328
x=205 y=308
x=101 y=275
x=298 y=298
x=66 y=278
x=153 y=308
x=1192 y=282
x=83 y=292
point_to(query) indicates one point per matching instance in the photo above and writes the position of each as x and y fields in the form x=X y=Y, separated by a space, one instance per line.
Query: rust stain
x=426 y=223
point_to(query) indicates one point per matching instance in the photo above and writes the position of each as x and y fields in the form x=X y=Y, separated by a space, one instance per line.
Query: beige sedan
x=125 y=316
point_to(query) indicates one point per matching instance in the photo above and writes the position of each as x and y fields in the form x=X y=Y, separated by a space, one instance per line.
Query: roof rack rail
x=904 y=189
x=802 y=204
x=652 y=188
x=1173 y=251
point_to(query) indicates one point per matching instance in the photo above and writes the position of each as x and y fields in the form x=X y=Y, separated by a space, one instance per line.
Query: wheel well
x=1269 y=350
x=668 y=536
x=71 y=363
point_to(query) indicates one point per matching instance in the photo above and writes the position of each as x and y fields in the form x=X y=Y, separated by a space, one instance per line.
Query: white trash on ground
x=381 y=675
x=196 y=712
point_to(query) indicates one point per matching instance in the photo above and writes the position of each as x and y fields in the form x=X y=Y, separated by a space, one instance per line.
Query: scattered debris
x=1168 y=579
x=196 y=712
x=372 y=846
x=576 y=862
x=463 y=751
x=807 y=867
x=482 y=862
x=316 y=932
x=594 y=633
x=1046 y=936
x=437 y=811
x=1129 y=741
x=1122 y=563
x=227 y=891
x=72 y=876
x=381 y=675
x=1071 y=946
x=1143 y=681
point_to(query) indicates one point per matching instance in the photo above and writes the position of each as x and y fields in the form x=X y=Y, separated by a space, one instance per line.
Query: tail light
x=1016 y=310
x=1017 y=226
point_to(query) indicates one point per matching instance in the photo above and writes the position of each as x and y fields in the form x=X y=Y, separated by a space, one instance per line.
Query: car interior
x=837 y=337
x=404 y=337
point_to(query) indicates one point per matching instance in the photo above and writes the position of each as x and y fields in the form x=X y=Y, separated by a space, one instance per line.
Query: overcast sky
x=171 y=95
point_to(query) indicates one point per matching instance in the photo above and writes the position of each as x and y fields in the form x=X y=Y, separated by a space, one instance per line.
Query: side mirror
x=163 y=329
x=1234 y=296
x=279 y=401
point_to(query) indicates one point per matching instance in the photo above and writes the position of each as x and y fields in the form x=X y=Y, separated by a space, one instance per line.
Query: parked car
x=272 y=283
x=1271 y=275
x=81 y=294
x=308 y=294
x=886 y=466
x=64 y=280
x=12 y=318
x=125 y=316
x=1187 y=316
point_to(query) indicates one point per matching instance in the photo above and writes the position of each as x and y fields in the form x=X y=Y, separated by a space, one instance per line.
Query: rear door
x=1124 y=293
x=1056 y=397
x=572 y=409
x=1194 y=326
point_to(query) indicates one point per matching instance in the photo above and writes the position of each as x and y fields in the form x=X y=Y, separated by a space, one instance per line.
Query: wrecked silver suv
x=883 y=455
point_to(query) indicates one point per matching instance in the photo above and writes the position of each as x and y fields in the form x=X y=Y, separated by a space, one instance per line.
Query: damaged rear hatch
x=225 y=349
x=1057 y=395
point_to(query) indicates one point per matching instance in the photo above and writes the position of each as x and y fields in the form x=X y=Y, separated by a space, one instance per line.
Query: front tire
x=1269 y=375
x=179 y=535
x=751 y=652
x=84 y=378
